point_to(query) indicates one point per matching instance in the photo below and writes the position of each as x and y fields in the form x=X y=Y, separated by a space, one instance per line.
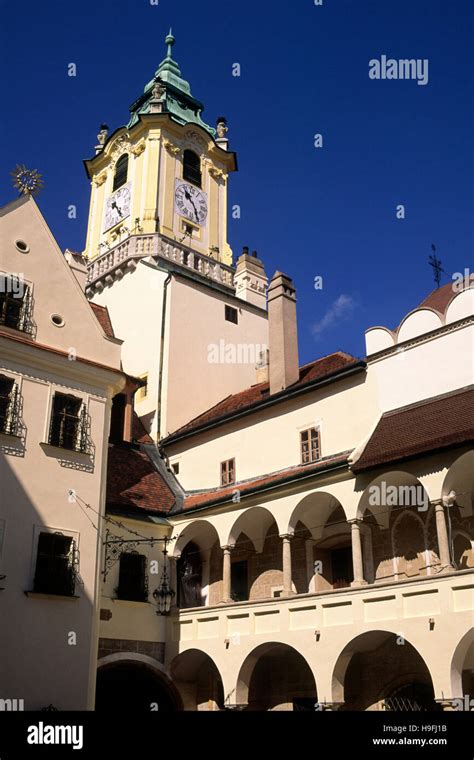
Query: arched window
x=121 y=171
x=192 y=167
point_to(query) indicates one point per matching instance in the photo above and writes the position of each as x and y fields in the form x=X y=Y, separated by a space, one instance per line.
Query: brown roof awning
x=134 y=483
x=437 y=423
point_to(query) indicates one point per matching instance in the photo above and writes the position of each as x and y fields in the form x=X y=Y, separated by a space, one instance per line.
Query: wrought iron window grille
x=57 y=565
x=10 y=406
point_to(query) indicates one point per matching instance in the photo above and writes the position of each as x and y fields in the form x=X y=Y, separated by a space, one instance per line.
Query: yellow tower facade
x=165 y=173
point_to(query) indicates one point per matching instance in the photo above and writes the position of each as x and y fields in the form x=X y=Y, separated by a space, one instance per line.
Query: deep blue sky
x=304 y=70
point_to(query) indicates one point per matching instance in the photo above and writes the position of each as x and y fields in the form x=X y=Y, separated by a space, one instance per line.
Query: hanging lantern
x=164 y=594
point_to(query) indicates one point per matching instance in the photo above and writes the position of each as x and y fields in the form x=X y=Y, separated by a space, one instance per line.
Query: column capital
x=228 y=547
x=330 y=706
x=355 y=521
x=287 y=536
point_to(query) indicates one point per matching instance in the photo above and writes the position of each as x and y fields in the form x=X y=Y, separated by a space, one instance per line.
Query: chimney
x=283 y=334
x=250 y=279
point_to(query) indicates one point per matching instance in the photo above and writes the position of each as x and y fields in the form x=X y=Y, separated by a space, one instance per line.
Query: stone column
x=357 y=561
x=287 y=580
x=443 y=543
x=226 y=575
x=330 y=706
x=368 y=552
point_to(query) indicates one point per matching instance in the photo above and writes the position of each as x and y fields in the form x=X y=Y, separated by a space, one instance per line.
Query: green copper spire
x=169 y=93
x=170 y=42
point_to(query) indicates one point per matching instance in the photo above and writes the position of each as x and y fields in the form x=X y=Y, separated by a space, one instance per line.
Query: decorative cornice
x=217 y=173
x=138 y=149
x=424 y=338
x=172 y=149
x=100 y=178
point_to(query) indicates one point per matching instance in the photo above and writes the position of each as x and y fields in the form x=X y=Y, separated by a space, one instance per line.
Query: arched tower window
x=121 y=171
x=192 y=167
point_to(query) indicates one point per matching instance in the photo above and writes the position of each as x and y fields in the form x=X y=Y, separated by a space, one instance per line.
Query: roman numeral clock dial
x=190 y=202
x=117 y=206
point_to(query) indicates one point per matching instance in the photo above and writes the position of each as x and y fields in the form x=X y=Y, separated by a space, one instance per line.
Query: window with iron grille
x=15 y=302
x=121 y=172
x=56 y=565
x=133 y=580
x=192 y=167
x=9 y=406
x=231 y=314
x=310 y=445
x=68 y=428
x=227 y=472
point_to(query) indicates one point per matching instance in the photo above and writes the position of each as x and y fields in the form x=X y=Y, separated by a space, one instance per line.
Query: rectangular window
x=310 y=446
x=68 y=423
x=231 y=314
x=55 y=565
x=133 y=582
x=228 y=472
x=14 y=300
x=7 y=405
x=142 y=392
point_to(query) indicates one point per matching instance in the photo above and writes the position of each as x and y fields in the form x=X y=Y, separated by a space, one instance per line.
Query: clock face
x=117 y=206
x=190 y=202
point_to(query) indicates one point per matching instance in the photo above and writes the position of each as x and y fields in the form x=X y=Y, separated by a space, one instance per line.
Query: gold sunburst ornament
x=27 y=181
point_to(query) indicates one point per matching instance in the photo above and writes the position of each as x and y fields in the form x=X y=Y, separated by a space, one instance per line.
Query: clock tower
x=158 y=257
x=166 y=172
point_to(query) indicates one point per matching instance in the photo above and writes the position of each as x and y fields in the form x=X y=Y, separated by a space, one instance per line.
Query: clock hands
x=114 y=205
x=189 y=198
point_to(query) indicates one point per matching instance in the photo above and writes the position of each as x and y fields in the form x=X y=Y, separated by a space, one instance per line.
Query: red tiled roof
x=439 y=299
x=217 y=495
x=437 y=423
x=238 y=402
x=139 y=433
x=103 y=317
x=133 y=482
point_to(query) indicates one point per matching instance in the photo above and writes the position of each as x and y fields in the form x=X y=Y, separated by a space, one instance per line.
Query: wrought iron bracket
x=114 y=546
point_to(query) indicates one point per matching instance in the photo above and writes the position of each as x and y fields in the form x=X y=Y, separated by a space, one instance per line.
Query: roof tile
x=429 y=425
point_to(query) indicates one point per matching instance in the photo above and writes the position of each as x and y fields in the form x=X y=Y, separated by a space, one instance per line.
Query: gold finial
x=27 y=181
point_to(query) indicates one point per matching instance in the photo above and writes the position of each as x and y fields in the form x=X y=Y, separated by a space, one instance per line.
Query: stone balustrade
x=112 y=263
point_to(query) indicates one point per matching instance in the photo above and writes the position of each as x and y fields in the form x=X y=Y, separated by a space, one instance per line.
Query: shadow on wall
x=48 y=640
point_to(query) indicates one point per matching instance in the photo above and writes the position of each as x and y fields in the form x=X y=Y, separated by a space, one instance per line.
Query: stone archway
x=198 y=681
x=131 y=684
x=379 y=670
x=275 y=676
x=462 y=669
x=320 y=526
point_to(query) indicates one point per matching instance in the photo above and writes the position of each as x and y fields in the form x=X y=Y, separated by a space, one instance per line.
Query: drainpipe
x=162 y=344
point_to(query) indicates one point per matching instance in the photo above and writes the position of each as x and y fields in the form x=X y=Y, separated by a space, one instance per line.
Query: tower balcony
x=114 y=263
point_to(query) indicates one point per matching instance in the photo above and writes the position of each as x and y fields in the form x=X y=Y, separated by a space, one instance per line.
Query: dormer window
x=121 y=172
x=192 y=167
